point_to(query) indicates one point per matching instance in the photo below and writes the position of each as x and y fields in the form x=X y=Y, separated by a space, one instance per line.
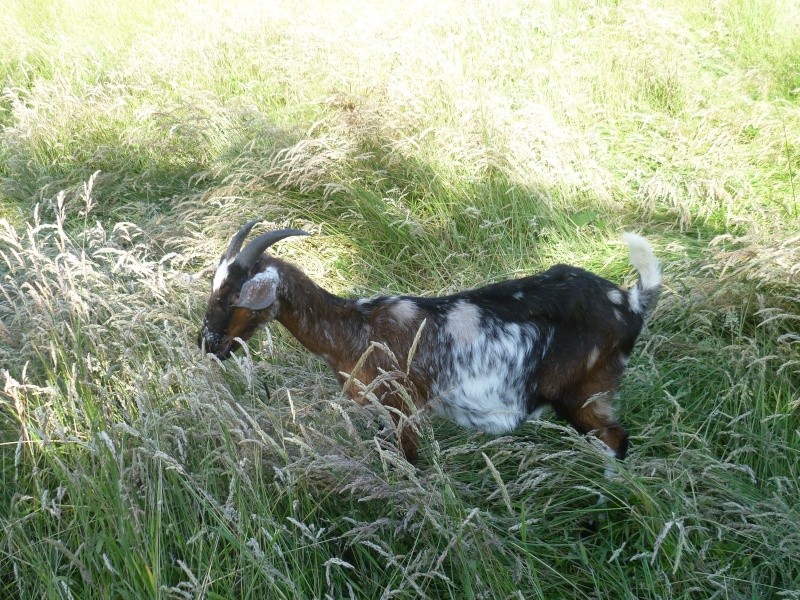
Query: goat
x=488 y=358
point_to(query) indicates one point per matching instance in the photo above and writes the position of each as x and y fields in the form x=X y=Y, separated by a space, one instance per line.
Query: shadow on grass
x=412 y=226
x=399 y=214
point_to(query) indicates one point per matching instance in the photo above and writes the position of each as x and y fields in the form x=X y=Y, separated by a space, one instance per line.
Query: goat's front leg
x=392 y=388
x=407 y=436
x=398 y=406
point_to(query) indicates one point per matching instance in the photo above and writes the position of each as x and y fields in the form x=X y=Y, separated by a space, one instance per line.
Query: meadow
x=429 y=147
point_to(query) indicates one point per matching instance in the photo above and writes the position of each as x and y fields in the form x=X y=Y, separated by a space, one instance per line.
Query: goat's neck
x=329 y=326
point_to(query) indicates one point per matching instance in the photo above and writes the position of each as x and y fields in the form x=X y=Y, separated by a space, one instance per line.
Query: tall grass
x=429 y=148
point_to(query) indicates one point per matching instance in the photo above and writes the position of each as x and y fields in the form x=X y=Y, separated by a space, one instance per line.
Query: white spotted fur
x=463 y=323
x=404 y=311
x=481 y=382
x=592 y=358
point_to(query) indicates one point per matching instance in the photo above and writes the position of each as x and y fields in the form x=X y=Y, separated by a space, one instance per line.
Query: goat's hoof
x=589 y=528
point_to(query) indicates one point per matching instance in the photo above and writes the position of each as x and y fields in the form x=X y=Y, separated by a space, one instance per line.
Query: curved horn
x=256 y=248
x=238 y=239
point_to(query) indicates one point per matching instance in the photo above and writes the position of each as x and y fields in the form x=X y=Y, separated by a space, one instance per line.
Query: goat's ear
x=257 y=292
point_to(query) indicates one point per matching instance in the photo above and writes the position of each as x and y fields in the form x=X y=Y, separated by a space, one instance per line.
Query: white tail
x=643 y=259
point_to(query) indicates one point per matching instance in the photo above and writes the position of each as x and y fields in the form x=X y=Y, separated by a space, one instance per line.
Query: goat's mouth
x=220 y=346
x=225 y=351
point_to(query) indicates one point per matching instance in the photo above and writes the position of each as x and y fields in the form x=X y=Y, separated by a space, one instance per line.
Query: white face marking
x=604 y=409
x=404 y=311
x=221 y=274
x=592 y=359
x=463 y=323
x=518 y=296
x=619 y=315
x=609 y=471
x=616 y=296
x=609 y=452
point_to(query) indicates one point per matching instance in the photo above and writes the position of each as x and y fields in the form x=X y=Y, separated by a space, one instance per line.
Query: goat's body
x=487 y=358
x=469 y=366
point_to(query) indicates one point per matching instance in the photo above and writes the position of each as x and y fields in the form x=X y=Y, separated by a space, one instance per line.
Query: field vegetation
x=429 y=147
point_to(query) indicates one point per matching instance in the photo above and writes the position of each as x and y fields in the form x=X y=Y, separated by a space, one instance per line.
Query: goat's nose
x=224 y=353
x=209 y=341
x=215 y=344
x=221 y=350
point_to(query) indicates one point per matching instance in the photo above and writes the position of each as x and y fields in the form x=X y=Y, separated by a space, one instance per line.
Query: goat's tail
x=644 y=295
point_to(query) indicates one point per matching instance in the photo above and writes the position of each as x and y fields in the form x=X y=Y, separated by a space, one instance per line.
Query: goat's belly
x=486 y=403
x=481 y=379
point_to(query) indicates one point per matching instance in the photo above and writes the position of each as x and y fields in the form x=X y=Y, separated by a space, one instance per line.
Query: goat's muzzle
x=215 y=343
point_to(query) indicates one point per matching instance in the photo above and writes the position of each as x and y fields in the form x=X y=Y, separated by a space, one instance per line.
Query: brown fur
x=301 y=299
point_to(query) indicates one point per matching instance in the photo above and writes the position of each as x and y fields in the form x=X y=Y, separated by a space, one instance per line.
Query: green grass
x=429 y=147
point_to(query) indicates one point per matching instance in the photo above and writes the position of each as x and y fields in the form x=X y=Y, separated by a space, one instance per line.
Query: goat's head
x=243 y=293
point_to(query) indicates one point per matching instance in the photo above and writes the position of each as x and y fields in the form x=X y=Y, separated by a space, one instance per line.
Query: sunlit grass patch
x=428 y=148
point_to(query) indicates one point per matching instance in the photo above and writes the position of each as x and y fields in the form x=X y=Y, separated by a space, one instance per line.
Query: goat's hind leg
x=595 y=413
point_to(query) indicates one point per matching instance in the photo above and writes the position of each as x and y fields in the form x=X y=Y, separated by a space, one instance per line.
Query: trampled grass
x=429 y=147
